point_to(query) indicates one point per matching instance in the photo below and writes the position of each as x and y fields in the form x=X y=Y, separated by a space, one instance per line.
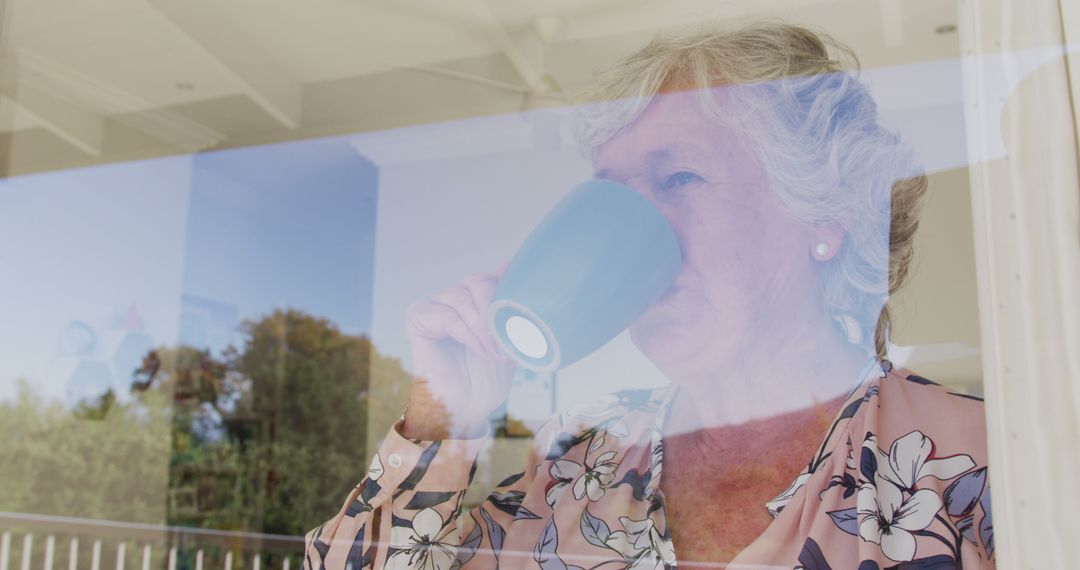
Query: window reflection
x=217 y=218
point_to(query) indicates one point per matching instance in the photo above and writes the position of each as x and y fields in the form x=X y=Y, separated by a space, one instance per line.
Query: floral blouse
x=899 y=481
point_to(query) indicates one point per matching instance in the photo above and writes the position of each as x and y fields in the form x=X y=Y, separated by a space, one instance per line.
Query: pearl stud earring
x=821 y=249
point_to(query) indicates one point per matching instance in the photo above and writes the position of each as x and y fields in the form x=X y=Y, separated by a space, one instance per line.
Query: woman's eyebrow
x=660 y=156
x=678 y=151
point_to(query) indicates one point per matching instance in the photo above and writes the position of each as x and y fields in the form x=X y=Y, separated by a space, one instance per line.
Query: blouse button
x=394 y=460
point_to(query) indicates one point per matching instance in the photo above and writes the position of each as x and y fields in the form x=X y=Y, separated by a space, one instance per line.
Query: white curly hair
x=814 y=128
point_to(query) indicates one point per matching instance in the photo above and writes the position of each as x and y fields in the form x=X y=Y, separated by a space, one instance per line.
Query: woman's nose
x=646 y=189
x=643 y=186
x=640 y=183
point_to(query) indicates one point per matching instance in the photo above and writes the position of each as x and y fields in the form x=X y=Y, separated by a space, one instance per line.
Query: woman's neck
x=796 y=368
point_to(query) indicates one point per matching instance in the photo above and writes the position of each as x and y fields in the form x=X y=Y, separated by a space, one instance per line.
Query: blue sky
x=104 y=262
x=287 y=225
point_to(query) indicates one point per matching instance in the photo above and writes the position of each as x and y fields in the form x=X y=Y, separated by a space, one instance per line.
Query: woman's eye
x=680 y=179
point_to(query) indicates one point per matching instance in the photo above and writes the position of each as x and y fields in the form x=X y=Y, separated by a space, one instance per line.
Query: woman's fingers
x=460 y=313
x=462 y=387
x=434 y=320
x=460 y=298
x=481 y=287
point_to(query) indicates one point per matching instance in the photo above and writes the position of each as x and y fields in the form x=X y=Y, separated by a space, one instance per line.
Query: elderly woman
x=785 y=438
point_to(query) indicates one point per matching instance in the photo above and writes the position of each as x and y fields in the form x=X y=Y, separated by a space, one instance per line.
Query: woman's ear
x=826 y=241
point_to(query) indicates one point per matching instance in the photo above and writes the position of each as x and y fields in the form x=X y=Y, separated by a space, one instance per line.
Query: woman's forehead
x=674 y=126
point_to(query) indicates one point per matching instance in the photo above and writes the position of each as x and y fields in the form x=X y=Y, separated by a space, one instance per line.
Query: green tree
x=104 y=460
x=308 y=385
x=276 y=432
x=265 y=437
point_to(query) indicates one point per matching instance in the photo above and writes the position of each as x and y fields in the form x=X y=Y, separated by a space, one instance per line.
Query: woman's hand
x=460 y=374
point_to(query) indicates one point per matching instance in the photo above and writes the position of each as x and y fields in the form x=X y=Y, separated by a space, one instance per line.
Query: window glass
x=586 y=244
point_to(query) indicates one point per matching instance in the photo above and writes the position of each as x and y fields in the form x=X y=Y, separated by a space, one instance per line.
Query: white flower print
x=888 y=519
x=641 y=545
x=428 y=545
x=376 y=469
x=597 y=478
x=562 y=473
x=907 y=461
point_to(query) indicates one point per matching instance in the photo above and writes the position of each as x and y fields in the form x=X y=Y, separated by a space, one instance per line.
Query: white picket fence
x=176 y=539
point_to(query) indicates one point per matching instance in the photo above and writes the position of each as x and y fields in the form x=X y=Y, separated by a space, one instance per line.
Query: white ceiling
x=112 y=57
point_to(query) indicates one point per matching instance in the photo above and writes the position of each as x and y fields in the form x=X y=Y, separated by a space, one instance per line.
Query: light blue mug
x=599 y=259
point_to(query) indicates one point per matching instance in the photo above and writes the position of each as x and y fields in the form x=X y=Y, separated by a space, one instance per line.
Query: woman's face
x=747 y=262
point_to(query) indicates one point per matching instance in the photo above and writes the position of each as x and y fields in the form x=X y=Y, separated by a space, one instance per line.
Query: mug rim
x=548 y=363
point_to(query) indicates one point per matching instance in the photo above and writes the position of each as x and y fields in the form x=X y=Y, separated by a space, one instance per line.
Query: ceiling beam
x=50 y=80
x=77 y=126
x=892 y=22
x=7 y=112
x=525 y=50
x=262 y=78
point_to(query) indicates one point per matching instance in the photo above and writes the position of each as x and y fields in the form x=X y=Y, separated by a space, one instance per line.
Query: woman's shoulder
x=916 y=383
x=905 y=459
x=905 y=395
x=903 y=408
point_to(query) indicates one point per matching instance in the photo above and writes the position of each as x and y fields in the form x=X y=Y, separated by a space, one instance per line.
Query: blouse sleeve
x=407 y=513
x=929 y=453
